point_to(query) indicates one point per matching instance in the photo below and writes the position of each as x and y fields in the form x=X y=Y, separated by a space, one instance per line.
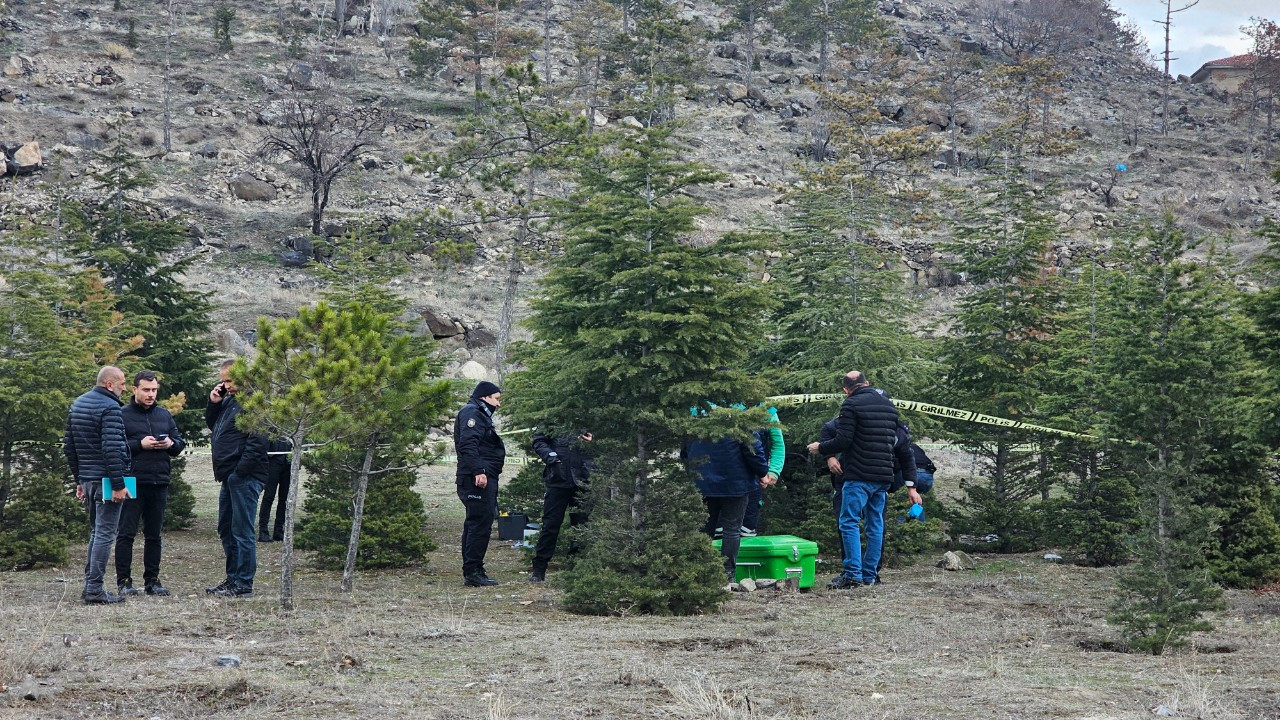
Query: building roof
x=1235 y=61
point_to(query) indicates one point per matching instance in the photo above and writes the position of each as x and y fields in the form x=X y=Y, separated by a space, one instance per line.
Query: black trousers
x=558 y=500
x=277 y=487
x=482 y=507
x=726 y=513
x=149 y=507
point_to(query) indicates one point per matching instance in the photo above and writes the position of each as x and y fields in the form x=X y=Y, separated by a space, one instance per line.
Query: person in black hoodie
x=96 y=450
x=240 y=465
x=154 y=441
x=277 y=489
x=481 y=456
x=568 y=469
x=727 y=471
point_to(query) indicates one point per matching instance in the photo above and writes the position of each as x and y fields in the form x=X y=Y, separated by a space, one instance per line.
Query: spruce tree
x=136 y=250
x=994 y=361
x=630 y=328
x=1179 y=389
x=656 y=60
x=476 y=29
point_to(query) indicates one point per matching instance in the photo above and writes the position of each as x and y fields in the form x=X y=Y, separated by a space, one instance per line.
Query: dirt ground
x=1015 y=638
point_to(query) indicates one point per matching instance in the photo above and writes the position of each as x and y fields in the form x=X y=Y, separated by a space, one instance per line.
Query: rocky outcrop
x=249 y=188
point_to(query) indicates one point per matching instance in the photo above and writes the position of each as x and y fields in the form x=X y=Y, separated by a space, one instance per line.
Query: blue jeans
x=238 y=528
x=856 y=497
x=102 y=535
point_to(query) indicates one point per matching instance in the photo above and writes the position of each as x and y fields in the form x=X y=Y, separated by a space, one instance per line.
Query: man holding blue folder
x=98 y=454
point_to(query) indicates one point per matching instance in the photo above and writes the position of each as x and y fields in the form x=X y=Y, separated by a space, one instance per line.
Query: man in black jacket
x=154 y=441
x=866 y=431
x=96 y=450
x=568 y=469
x=481 y=456
x=240 y=464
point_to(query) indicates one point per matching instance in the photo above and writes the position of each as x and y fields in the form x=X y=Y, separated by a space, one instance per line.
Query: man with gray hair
x=97 y=451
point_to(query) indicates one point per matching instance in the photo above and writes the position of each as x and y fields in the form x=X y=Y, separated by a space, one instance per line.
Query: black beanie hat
x=485 y=389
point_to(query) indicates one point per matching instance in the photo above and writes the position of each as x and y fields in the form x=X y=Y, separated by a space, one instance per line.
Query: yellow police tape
x=931 y=409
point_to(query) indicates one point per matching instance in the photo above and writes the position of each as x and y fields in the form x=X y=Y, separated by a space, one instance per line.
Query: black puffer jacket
x=568 y=464
x=151 y=466
x=475 y=439
x=234 y=451
x=94 y=443
x=866 y=431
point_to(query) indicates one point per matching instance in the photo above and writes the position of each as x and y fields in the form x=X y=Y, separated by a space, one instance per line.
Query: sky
x=1208 y=31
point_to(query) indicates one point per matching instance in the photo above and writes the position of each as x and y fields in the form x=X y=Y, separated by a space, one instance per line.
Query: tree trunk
x=6 y=474
x=317 y=207
x=290 y=513
x=357 y=515
x=751 y=45
x=340 y=14
x=640 y=493
x=514 y=269
x=549 y=6
x=168 y=77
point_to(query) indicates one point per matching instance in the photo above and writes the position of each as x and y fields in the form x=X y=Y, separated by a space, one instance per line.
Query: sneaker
x=748 y=532
x=264 y=537
x=843 y=582
x=218 y=588
x=479 y=580
x=719 y=533
x=537 y=576
x=157 y=589
x=126 y=588
x=235 y=591
x=102 y=597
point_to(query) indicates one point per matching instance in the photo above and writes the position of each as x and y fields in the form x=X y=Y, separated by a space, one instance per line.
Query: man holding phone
x=154 y=441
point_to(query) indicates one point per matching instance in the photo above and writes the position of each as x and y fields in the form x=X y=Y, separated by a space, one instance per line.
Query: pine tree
x=746 y=17
x=134 y=248
x=475 y=28
x=655 y=61
x=308 y=373
x=631 y=326
x=512 y=152
x=995 y=359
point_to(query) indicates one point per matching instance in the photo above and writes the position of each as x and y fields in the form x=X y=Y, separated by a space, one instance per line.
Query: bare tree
x=325 y=135
x=1263 y=82
x=1168 y=57
x=1041 y=28
x=384 y=16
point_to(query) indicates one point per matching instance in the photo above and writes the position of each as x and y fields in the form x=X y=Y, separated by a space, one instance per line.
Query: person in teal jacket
x=775 y=451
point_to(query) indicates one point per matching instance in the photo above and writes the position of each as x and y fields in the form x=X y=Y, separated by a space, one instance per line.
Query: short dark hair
x=854 y=379
x=144 y=375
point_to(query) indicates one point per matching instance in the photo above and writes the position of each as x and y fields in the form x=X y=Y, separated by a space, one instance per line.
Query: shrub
x=116 y=51
x=39 y=520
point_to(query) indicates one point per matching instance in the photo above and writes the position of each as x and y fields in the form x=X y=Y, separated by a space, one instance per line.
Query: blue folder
x=130 y=484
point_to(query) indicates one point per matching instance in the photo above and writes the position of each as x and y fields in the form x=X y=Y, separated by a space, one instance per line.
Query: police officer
x=568 y=468
x=480 y=458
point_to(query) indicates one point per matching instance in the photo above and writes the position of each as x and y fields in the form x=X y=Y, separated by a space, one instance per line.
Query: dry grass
x=1001 y=642
x=116 y=51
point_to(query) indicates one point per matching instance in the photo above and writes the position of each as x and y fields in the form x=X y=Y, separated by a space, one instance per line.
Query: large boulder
x=478 y=337
x=301 y=76
x=250 y=188
x=438 y=326
x=27 y=159
x=472 y=370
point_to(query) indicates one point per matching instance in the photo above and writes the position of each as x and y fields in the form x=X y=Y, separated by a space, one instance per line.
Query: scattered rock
x=746 y=123
x=207 y=150
x=728 y=51
x=1053 y=557
x=227 y=661
x=631 y=122
x=294 y=259
x=766 y=583
x=733 y=92
x=1163 y=711
x=301 y=76
x=231 y=343
x=250 y=188
x=85 y=140
x=302 y=244
x=956 y=560
x=748 y=585
x=733 y=587
x=472 y=370
x=18 y=66
x=479 y=337
x=178 y=156
x=908 y=12
x=194 y=86
x=27 y=159
x=438 y=326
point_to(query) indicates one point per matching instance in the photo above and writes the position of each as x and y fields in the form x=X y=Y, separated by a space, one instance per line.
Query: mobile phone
x=161 y=437
x=222 y=389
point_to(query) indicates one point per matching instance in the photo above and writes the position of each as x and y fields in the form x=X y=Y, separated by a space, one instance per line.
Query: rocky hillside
x=66 y=82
